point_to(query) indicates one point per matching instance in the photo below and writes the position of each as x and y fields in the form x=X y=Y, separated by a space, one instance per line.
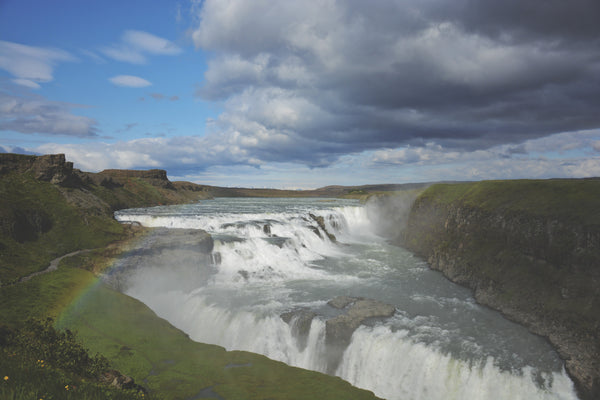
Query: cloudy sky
x=303 y=94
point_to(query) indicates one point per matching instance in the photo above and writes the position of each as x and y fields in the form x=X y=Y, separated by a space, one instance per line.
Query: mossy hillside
x=137 y=192
x=40 y=225
x=42 y=296
x=139 y=344
x=168 y=363
x=39 y=362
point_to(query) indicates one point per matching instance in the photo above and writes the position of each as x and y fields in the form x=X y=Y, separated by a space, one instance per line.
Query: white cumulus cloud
x=129 y=81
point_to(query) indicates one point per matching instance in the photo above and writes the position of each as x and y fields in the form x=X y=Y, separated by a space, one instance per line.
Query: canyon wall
x=530 y=249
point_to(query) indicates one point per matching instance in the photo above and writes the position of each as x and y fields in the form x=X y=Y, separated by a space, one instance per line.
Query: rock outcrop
x=49 y=168
x=357 y=310
x=528 y=249
x=48 y=208
x=321 y=224
x=116 y=379
x=156 y=177
x=300 y=321
x=352 y=312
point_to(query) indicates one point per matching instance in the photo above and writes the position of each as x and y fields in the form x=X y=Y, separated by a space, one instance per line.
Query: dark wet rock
x=300 y=320
x=267 y=229
x=321 y=223
x=276 y=240
x=339 y=329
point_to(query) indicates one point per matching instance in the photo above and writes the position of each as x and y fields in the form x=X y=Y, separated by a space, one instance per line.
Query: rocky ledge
x=357 y=310
x=50 y=168
x=352 y=312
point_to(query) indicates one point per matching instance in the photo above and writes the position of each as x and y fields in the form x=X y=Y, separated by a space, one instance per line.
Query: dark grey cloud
x=566 y=21
x=28 y=113
x=310 y=82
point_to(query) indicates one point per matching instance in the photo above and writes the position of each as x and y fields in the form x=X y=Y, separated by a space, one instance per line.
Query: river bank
x=530 y=249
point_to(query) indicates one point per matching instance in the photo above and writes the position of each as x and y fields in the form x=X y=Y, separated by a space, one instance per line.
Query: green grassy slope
x=158 y=356
x=167 y=362
x=39 y=224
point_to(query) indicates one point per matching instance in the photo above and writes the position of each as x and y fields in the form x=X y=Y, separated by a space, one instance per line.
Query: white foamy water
x=272 y=256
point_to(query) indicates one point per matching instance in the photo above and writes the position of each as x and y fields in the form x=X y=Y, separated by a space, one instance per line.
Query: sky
x=304 y=94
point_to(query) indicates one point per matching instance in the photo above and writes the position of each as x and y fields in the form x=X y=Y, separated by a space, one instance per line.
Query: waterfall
x=288 y=257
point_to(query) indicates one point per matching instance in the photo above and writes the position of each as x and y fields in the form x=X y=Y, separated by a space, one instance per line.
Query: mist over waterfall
x=311 y=283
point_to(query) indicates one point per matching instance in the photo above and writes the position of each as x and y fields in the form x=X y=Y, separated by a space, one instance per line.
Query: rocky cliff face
x=49 y=168
x=156 y=177
x=48 y=208
x=538 y=267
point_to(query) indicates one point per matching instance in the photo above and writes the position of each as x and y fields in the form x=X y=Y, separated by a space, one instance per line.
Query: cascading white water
x=277 y=255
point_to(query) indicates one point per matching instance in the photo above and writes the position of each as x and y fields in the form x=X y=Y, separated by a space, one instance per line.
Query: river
x=272 y=256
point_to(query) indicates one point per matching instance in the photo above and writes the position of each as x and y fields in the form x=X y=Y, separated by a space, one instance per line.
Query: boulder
x=339 y=329
x=321 y=222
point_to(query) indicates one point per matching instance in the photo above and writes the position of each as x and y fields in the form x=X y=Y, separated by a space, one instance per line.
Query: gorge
x=275 y=272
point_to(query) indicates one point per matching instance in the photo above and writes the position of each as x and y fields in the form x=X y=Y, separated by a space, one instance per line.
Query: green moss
x=43 y=296
x=574 y=199
x=174 y=367
x=66 y=228
x=158 y=356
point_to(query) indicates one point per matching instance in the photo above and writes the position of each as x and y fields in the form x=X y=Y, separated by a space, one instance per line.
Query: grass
x=39 y=362
x=139 y=344
x=65 y=228
x=575 y=199
x=171 y=366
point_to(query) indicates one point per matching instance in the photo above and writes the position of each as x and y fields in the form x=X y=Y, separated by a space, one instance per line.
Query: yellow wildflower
x=6 y=378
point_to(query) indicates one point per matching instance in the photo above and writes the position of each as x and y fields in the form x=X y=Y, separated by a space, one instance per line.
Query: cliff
x=530 y=249
x=48 y=208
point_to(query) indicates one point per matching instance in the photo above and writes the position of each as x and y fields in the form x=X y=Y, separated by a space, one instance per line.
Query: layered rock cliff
x=48 y=208
x=530 y=249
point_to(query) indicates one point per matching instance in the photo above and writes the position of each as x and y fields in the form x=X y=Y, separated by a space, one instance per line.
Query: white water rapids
x=271 y=256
